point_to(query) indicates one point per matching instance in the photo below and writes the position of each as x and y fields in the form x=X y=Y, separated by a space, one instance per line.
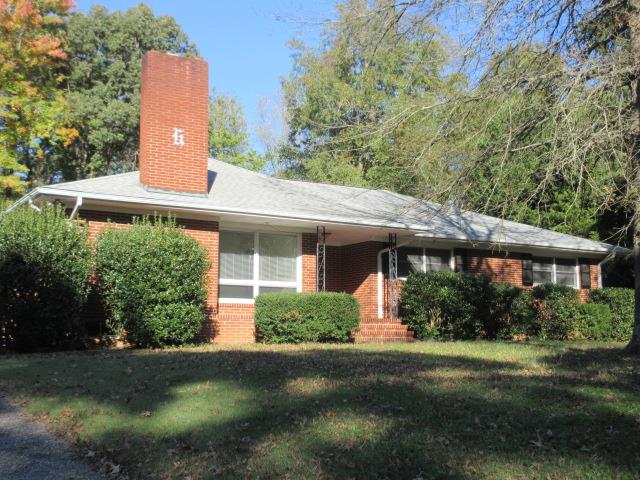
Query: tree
x=342 y=101
x=105 y=54
x=590 y=131
x=32 y=105
x=228 y=135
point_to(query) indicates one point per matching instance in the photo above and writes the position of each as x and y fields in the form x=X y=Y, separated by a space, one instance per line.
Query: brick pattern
x=204 y=231
x=309 y=273
x=496 y=266
x=174 y=93
x=373 y=330
x=234 y=323
x=360 y=275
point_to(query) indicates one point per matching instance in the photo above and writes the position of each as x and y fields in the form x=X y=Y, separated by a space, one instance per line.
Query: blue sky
x=244 y=41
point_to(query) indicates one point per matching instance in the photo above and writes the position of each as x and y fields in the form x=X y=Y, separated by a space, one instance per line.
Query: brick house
x=265 y=234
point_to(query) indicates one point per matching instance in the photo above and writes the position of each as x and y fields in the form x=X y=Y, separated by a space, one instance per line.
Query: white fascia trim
x=226 y=210
x=417 y=230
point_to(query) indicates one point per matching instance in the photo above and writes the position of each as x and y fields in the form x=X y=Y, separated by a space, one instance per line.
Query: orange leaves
x=32 y=48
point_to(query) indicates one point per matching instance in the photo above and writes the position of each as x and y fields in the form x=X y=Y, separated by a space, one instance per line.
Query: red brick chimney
x=174 y=106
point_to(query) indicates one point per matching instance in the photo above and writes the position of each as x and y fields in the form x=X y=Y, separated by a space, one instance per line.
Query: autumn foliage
x=32 y=106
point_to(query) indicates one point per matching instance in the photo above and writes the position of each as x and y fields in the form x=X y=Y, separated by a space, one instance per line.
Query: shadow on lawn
x=347 y=413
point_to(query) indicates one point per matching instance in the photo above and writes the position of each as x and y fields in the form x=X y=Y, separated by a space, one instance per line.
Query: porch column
x=392 y=284
x=321 y=252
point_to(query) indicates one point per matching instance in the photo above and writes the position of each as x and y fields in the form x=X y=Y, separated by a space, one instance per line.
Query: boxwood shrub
x=45 y=264
x=152 y=279
x=594 y=322
x=446 y=304
x=462 y=305
x=621 y=303
x=513 y=314
x=305 y=317
x=557 y=311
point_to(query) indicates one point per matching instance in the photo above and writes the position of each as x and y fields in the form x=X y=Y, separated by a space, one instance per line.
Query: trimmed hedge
x=621 y=303
x=306 y=317
x=45 y=264
x=446 y=304
x=462 y=305
x=152 y=278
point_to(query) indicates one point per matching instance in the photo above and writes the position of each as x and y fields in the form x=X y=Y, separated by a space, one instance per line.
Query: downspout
x=610 y=256
x=76 y=208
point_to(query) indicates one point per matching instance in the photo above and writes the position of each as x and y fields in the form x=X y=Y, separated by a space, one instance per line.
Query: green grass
x=425 y=410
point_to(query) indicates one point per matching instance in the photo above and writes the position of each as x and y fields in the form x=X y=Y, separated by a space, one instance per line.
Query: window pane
x=278 y=257
x=236 y=291
x=277 y=290
x=542 y=277
x=542 y=270
x=566 y=272
x=409 y=261
x=437 y=260
x=236 y=255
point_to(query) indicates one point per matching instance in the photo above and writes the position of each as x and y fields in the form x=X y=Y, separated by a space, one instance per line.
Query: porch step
x=375 y=330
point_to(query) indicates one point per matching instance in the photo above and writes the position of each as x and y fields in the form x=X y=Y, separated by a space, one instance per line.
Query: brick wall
x=496 y=266
x=360 y=275
x=309 y=273
x=234 y=323
x=174 y=94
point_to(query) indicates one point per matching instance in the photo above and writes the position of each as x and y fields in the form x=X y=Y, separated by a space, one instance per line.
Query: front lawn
x=422 y=410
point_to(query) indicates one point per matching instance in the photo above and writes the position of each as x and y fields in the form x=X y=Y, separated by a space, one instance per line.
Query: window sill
x=243 y=301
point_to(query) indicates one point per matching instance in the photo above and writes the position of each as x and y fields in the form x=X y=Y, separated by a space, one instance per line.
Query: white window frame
x=256 y=283
x=554 y=279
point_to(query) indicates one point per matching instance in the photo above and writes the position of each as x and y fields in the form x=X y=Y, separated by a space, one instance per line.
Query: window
x=566 y=272
x=542 y=270
x=437 y=260
x=253 y=263
x=555 y=270
x=409 y=261
x=415 y=259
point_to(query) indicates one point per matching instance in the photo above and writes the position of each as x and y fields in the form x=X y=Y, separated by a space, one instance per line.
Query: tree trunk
x=634 y=32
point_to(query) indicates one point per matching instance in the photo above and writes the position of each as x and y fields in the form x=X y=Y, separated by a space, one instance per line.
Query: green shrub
x=621 y=304
x=446 y=304
x=557 y=311
x=306 y=317
x=594 y=322
x=512 y=313
x=152 y=278
x=45 y=263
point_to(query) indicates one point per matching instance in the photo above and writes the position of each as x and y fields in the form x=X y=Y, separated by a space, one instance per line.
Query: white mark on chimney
x=178 y=137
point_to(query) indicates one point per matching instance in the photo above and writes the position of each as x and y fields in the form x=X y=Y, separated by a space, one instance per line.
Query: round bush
x=45 y=264
x=152 y=278
x=306 y=317
x=446 y=304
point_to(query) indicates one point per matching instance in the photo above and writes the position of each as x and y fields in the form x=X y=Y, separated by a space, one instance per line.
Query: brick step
x=385 y=333
x=386 y=339
x=382 y=326
x=381 y=320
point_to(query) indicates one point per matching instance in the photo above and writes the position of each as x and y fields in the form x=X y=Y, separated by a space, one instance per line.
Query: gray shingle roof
x=235 y=189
